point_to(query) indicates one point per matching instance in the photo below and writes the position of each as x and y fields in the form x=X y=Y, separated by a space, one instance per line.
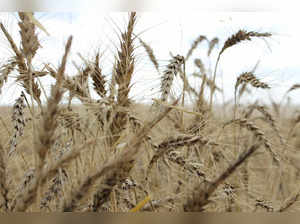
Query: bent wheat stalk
x=238 y=37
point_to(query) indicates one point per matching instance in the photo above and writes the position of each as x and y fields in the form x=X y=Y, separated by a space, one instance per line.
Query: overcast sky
x=171 y=32
x=150 y=5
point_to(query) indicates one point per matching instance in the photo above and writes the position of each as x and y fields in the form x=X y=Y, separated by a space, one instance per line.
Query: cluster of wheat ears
x=104 y=154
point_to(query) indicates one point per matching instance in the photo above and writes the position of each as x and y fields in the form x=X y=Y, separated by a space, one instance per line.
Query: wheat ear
x=98 y=78
x=19 y=122
x=241 y=35
x=150 y=54
x=212 y=44
x=168 y=76
x=258 y=133
x=194 y=46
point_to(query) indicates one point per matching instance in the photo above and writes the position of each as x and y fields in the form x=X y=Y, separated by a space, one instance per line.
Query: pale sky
x=150 y=5
x=171 y=32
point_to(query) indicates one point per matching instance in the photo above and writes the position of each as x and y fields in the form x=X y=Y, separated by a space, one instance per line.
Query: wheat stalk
x=123 y=73
x=238 y=37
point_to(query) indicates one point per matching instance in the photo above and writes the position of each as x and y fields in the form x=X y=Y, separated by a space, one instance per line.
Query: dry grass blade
x=36 y=22
x=141 y=204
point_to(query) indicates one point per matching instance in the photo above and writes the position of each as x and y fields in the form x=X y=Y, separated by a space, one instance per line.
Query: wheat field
x=115 y=154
